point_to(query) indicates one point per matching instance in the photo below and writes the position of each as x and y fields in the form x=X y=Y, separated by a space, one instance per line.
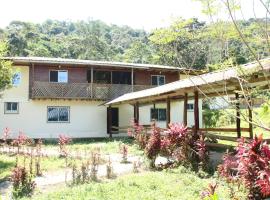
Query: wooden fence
x=82 y=90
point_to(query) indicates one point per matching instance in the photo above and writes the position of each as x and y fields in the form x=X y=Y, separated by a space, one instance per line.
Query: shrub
x=22 y=183
x=6 y=135
x=210 y=192
x=250 y=165
x=138 y=133
x=152 y=148
x=63 y=140
x=124 y=152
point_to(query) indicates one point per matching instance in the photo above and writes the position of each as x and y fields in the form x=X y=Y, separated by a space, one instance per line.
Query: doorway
x=114 y=119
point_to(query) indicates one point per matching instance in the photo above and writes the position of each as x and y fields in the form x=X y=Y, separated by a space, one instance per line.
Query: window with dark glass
x=158 y=79
x=121 y=78
x=58 y=114
x=59 y=76
x=102 y=77
x=158 y=114
x=11 y=107
x=190 y=106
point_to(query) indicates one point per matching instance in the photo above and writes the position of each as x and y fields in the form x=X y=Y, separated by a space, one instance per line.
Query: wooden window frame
x=158 y=119
x=11 y=112
x=157 y=75
x=56 y=70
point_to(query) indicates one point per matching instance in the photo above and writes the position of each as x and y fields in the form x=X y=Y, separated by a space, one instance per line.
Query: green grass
x=106 y=145
x=7 y=163
x=174 y=184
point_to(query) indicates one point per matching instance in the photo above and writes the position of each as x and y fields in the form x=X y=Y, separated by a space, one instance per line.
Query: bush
x=177 y=144
x=22 y=183
x=152 y=148
x=250 y=165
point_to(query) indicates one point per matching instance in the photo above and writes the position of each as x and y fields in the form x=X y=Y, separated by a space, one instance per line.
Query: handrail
x=82 y=90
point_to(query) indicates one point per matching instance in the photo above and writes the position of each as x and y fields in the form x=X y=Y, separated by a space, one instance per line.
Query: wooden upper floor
x=53 y=78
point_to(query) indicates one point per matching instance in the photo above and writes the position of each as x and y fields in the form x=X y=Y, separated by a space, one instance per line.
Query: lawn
x=106 y=146
x=7 y=163
x=170 y=184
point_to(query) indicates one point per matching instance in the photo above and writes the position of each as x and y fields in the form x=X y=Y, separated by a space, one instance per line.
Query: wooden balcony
x=47 y=90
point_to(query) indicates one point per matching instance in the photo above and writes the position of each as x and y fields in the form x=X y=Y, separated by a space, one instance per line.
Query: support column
x=132 y=79
x=92 y=81
x=136 y=112
x=110 y=121
x=168 y=112
x=196 y=112
x=238 y=121
x=185 y=109
x=250 y=118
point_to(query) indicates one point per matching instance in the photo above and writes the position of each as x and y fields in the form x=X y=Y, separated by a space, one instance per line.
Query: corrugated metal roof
x=45 y=60
x=200 y=80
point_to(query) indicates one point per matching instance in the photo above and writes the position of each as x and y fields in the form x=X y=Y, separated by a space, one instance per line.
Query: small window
x=158 y=80
x=190 y=106
x=59 y=76
x=11 y=107
x=58 y=114
x=16 y=79
x=158 y=114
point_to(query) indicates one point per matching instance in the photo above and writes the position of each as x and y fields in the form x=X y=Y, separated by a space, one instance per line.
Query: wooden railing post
x=196 y=112
x=238 y=121
x=185 y=109
x=92 y=81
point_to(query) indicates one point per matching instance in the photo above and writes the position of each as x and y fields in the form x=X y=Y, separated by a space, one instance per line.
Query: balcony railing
x=82 y=90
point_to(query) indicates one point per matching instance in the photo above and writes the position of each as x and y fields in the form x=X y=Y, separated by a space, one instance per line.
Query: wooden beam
x=136 y=112
x=168 y=112
x=196 y=112
x=238 y=121
x=250 y=118
x=185 y=109
x=110 y=121
x=132 y=79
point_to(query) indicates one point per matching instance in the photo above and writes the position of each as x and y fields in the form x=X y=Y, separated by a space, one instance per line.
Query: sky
x=146 y=14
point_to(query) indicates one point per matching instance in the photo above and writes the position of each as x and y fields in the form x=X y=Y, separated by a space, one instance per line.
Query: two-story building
x=51 y=96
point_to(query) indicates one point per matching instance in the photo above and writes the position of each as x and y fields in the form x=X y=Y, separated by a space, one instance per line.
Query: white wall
x=177 y=108
x=87 y=118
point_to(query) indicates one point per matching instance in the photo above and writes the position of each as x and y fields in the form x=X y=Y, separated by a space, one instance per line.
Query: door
x=114 y=118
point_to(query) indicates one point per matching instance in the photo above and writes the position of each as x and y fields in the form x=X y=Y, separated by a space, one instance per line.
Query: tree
x=6 y=71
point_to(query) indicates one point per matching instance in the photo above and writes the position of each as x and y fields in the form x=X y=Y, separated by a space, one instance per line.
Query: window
x=58 y=114
x=190 y=106
x=121 y=78
x=11 y=107
x=158 y=79
x=59 y=76
x=16 y=79
x=158 y=114
x=102 y=77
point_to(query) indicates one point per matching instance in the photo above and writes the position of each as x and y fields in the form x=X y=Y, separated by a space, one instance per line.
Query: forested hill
x=185 y=43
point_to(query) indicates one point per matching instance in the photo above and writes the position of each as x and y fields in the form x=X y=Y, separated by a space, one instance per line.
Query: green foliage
x=179 y=183
x=218 y=118
x=6 y=71
x=188 y=43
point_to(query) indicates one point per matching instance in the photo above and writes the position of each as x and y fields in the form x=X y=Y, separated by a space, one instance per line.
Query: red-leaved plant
x=22 y=182
x=138 y=133
x=250 y=165
x=63 y=140
x=6 y=134
x=152 y=148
